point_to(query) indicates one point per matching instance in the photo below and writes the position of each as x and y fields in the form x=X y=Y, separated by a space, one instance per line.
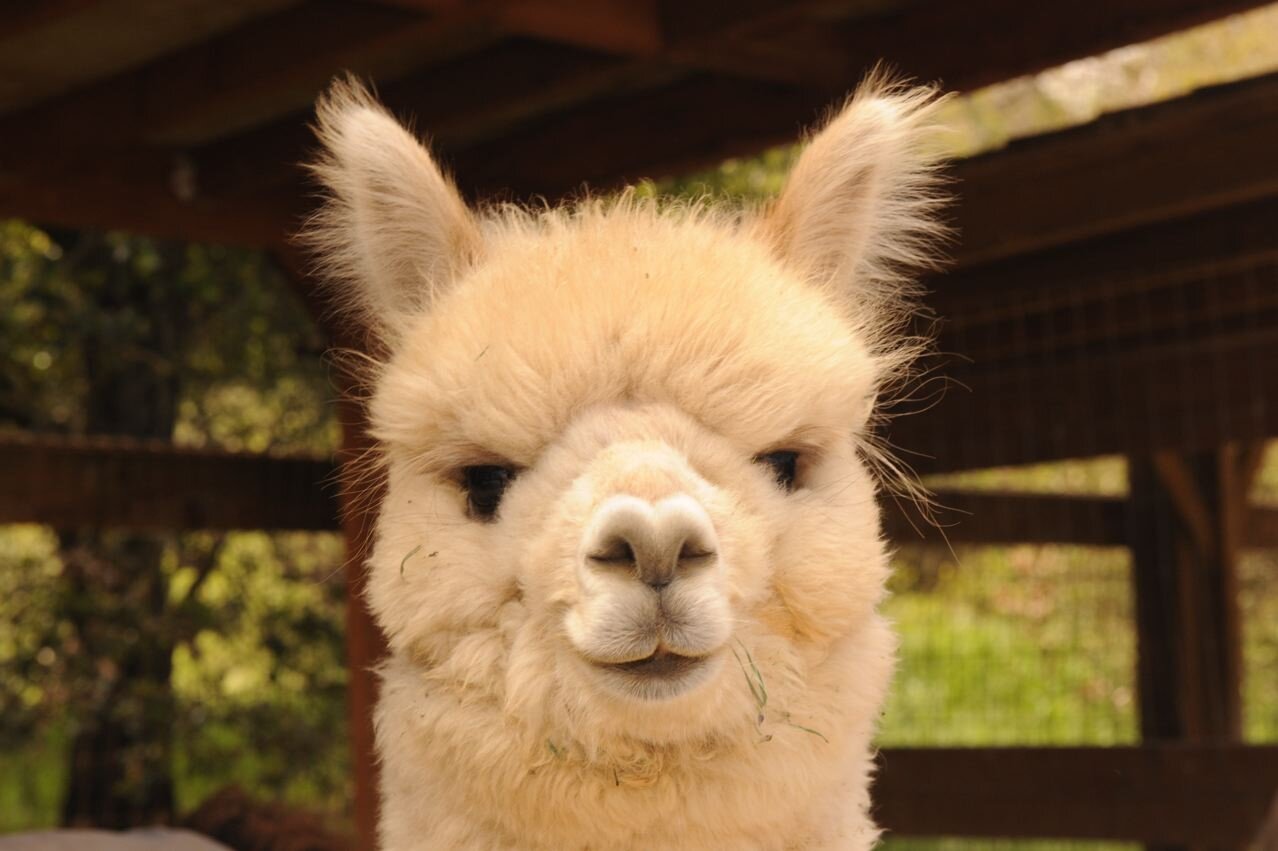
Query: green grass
x=1012 y=646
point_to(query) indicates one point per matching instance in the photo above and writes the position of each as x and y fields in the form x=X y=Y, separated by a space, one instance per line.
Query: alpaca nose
x=654 y=542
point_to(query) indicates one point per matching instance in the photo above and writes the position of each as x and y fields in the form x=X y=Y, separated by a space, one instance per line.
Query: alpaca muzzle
x=652 y=607
x=651 y=543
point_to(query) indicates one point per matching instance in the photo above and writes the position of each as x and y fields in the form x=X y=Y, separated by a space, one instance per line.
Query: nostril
x=692 y=553
x=615 y=551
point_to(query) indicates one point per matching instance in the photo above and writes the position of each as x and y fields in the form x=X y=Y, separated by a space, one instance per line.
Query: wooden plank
x=1119 y=171
x=102 y=482
x=138 y=195
x=1180 y=251
x=366 y=645
x=267 y=67
x=1176 y=397
x=628 y=27
x=1261 y=529
x=362 y=490
x=1154 y=338
x=51 y=47
x=976 y=517
x=1193 y=795
x=1189 y=656
x=21 y=18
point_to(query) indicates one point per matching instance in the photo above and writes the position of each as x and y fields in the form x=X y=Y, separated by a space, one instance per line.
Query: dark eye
x=485 y=485
x=784 y=464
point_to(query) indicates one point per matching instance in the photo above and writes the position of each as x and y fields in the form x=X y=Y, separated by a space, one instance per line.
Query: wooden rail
x=99 y=482
x=1199 y=795
x=69 y=482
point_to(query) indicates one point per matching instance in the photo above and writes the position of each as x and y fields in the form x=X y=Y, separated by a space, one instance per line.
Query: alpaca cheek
x=831 y=588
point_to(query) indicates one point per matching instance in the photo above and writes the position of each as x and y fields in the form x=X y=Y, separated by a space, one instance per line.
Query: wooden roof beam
x=267 y=67
x=20 y=19
x=740 y=43
x=1204 y=151
x=627 y=27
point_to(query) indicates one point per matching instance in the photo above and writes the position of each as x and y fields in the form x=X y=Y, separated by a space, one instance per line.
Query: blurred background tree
x=150 y=659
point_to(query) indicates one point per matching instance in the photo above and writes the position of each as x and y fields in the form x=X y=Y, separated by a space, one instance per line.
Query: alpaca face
x=627 y=515
x=616 y=450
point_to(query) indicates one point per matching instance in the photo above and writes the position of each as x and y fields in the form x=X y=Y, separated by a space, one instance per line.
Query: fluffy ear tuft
x=860 y=208
x=393 y=231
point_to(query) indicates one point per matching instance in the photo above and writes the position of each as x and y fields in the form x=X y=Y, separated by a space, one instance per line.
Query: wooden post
x=360 y=499
x=1185 y=524
x=365 y=644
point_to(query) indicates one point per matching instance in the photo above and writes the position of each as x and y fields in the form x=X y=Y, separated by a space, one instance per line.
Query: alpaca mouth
x=662 y=664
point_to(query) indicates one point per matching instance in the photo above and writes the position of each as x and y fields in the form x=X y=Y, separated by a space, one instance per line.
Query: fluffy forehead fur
x=621 y=301
x=625 y=358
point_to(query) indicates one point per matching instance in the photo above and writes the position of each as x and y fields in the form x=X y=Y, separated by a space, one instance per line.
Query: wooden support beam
x=143 y=195
x=21 y=18
x=110 y=482
x=1266 y=838
x=627 y=27
x=1188 y=629
x=1159 y=396
x=1043 y=191
x=362 y=489
x=997 y=518
x=1213 y=795
x=366 y=646
x=1129 y=264
x=1153 y=338
x=265 y=68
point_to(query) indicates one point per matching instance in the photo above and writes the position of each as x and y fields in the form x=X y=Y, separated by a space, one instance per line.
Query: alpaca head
x=624 y=440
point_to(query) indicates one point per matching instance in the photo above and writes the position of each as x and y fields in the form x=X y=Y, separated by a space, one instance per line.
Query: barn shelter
x=1115 y=291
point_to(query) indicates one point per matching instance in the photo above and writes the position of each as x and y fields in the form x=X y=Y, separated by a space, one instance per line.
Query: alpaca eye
x=485 y=484
x=784 y=464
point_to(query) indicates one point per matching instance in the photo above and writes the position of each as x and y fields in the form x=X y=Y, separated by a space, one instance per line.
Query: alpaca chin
x=660 y=677
x=629 y=557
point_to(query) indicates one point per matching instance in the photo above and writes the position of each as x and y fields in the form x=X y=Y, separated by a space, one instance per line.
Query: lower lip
x=659 y=666
x=659 y=677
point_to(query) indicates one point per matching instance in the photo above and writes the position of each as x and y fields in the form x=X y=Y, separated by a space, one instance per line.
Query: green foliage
x=254 y=621
x=1258 y=602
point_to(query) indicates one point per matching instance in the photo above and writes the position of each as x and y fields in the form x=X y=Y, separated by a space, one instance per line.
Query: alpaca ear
x=393 y=230
x=860 y=206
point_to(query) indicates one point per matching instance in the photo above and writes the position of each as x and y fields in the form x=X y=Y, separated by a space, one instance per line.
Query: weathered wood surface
x=117 y=483
x=1186 y=519
x=1204 y=795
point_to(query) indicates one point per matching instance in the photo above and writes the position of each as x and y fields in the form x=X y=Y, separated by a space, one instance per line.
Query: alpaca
x=629 y=557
